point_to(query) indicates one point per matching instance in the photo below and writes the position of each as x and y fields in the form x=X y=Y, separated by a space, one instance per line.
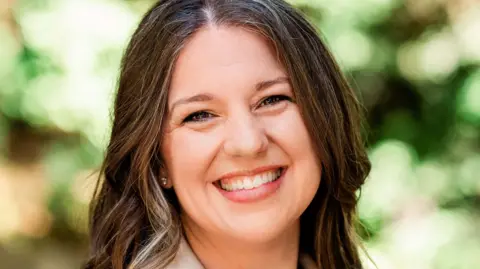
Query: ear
x=165 y=181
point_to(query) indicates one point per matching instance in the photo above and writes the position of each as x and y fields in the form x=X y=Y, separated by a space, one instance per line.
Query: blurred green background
x=415 y=62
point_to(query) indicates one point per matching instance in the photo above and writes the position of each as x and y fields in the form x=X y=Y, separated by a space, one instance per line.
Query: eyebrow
x=203 y=97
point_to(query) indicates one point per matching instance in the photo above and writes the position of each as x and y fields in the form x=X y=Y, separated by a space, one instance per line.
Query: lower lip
x=255 y=194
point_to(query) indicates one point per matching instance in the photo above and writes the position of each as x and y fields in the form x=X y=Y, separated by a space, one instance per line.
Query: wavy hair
x=134 y=223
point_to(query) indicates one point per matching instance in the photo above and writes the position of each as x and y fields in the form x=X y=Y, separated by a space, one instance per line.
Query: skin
x=243 y=126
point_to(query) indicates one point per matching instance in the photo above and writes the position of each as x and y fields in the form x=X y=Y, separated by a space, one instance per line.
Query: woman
x=235 y=144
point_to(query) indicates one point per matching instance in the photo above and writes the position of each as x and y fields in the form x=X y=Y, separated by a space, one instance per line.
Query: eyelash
x=203 y=115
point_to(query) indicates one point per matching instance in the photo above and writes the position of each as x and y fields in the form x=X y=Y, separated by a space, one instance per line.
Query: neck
x=217 y=252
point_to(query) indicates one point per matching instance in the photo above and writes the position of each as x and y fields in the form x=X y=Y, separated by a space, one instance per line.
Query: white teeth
x=266 y=177
x=257 y=181
x=247 y=183
x=260 y=178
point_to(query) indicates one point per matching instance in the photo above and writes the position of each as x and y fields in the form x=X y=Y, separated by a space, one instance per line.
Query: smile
x=250 y=182
x=252 y=186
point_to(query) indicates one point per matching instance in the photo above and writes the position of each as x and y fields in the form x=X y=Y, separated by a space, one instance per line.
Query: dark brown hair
x=135 y=223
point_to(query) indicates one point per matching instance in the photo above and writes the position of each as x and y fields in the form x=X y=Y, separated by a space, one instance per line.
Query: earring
x=164 y=181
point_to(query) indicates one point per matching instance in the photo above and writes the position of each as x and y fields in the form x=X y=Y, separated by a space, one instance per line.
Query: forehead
x=218 y=57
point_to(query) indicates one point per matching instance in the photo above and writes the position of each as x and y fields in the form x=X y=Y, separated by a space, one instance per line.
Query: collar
x=186 y=259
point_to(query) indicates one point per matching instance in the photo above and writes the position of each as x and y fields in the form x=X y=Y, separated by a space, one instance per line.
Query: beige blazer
x=186 y=259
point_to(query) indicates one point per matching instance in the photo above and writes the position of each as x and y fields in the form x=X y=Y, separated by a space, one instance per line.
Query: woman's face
x=236 y=148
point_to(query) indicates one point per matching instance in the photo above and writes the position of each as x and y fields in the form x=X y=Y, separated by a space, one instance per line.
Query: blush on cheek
x=191 y=152
x=288 y=126
x=199 y=147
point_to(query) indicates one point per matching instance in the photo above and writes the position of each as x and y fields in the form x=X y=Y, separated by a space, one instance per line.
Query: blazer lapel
x=186 y=259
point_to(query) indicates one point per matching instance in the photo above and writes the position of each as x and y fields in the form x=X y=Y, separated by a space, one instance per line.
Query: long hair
x=134 y=223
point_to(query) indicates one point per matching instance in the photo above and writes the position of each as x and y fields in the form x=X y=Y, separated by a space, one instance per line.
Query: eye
x=199 y=116
x=274 y=99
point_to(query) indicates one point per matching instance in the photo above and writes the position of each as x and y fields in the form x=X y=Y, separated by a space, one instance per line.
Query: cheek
x=188 y=154
x=290 y=133
x=188 y=157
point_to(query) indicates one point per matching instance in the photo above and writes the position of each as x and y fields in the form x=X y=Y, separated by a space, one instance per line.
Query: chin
x=261 y=229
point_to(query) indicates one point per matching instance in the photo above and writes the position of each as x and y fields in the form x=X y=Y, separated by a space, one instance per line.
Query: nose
x=245 y=136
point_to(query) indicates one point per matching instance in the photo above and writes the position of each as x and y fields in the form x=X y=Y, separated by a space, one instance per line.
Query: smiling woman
x=235 y=144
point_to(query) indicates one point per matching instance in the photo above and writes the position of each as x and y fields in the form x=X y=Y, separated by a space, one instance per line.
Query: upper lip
x=250 y=172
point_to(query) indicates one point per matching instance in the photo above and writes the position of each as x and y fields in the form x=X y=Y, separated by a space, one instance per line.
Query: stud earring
x=164 y=181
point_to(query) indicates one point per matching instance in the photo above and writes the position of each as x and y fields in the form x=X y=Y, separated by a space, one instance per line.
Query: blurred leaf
x=469 y=98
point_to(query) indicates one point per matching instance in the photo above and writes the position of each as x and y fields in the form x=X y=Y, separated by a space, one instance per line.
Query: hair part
x=134 y=223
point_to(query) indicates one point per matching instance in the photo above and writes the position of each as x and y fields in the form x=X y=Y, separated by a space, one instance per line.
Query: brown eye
x=272 y=100
x=198 y=117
